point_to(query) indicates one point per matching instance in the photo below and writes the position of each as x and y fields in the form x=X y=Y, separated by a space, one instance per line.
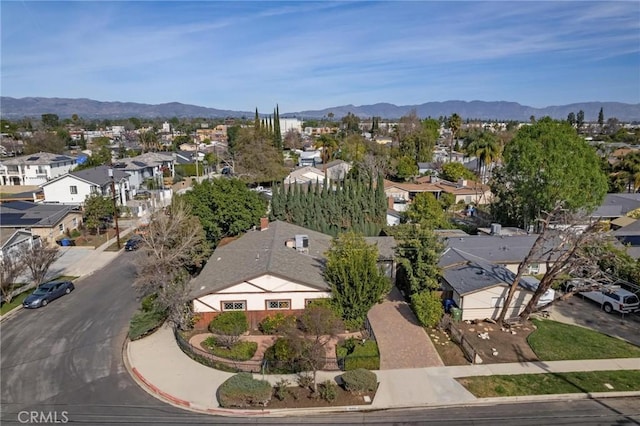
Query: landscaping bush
x=328 y=390
x=427 y=305
x=281 y=389
x=241 y=351
x=144 y=323
x=229 y=325
x=148 y=303
x=281 y=358
x=242 y=391
x=305 y=380
x=359 y=380
x=275 y=323
x=356 y=354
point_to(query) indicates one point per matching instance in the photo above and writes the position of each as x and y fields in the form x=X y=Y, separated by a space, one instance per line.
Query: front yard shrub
x=143 y=323
x=275 y=323
x=281 y=359
x=229 y=326
x=356 y=354
x=427 y=305
x=359 y=380
x=305 y=380
x=148 y=303
x=242 y=391
x=281 y=389
x=328 y=390
x=240 y=351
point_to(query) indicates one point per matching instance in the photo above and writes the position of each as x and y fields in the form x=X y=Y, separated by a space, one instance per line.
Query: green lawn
x=553 y=383
x=554 y=341
x=16 y=301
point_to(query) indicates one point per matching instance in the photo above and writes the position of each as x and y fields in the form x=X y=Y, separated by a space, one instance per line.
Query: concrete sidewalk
x=160 y=367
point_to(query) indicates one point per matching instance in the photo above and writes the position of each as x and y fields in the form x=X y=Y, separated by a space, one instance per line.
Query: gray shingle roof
x=467 y=273
x=99 y=175
x=264 y=251
x=616 y=205
x=40 y=158
x=493 y=248
x=27 y=214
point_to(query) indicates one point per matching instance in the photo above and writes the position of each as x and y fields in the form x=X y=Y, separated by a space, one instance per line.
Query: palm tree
x=486 y=149
x=629 y=168
x=329 y=146
x=455 y=122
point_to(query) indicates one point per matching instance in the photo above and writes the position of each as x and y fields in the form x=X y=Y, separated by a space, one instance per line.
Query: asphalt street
x=63 y=364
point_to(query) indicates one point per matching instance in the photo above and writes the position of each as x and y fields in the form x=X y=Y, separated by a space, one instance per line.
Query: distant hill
x=13 y=108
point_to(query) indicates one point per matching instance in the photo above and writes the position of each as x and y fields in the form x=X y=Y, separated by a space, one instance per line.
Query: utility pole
x=115 y=206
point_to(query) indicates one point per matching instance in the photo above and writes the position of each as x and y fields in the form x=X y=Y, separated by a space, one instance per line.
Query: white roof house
x=34 y=169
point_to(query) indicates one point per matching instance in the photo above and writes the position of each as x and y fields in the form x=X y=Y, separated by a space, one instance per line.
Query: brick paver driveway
x=403 y=343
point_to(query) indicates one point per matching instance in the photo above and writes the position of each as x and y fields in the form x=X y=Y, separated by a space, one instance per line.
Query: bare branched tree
x=38 y=259
x=174 y=246
x=11 y=267
x=318 y=325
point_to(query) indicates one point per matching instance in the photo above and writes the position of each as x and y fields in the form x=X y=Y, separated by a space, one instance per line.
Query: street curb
x=11 y=313
x=161 y=395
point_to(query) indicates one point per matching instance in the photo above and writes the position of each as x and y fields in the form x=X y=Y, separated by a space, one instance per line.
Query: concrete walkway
x=161 y=368
x=402 y=341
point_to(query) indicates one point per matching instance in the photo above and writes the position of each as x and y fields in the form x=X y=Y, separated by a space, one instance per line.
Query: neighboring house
x=629 y=237
x=336 y=169
x=14 y=241
x=277 y=268
x=305 y=175
x=393 y=217
x=463 y=191
x=617 y=205
x=48 y=221
x=74 y=188
x=309 y=158
x=148 y=166
x=479 y=288
x=34 y=169
x=506 y=251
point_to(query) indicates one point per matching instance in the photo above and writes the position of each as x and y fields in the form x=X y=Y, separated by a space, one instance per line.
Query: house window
x=278 y=304
x=235 y=305
x=534 y=269
x=61 y=228
x=75 y=222
x=497 y=302
x=73 y=189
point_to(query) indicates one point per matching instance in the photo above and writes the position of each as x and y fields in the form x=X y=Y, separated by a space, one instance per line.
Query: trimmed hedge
x=232 y=323
x=242 y=391
x=281 y=359
x=359 y=380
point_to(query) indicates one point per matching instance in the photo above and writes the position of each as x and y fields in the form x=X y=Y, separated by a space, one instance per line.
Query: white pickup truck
x=613 y=298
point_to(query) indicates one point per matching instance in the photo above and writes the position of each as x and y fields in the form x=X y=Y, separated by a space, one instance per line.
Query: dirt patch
x=450 y=353
x=298 y=397
x=502 y=345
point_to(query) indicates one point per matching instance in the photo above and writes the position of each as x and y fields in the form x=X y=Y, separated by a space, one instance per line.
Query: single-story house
x=47 y=221
x=276 y=268
x=479 y=288
x=304 y=175
x=14 y=241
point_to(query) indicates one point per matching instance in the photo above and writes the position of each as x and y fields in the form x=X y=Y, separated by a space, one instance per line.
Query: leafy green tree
x=406 y=168
x=486 y=149
x=427 y=211
x=179 y=140
x=571 y=119
x=549 y=173
x=580 y=120
x=418 y=251
x=329 y=146
x=453 y=171
x=225 y=207
x=50 y=121
x=628 y=170
x=95 y=208
x=547 y=164
x=357 y=282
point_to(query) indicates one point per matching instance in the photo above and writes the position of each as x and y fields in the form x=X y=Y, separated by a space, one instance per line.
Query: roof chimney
x=390 y=203
x=264 y=223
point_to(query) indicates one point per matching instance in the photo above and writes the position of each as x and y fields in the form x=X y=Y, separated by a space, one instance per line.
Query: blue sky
x=312 y=55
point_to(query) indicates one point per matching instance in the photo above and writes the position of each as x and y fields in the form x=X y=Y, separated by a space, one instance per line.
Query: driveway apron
x=402 y=342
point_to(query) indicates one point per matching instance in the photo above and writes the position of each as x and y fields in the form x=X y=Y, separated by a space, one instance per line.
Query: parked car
x=614 y=298
x=133 y=243
x=47 y=292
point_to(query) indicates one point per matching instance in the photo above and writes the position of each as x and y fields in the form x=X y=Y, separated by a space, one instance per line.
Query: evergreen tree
x=601 y=119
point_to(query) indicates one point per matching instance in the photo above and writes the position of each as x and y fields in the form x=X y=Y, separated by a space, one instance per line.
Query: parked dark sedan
x=47 y=292
x=133 y=243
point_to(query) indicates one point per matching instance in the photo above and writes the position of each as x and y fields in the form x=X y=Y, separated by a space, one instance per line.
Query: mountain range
x=15 y=108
